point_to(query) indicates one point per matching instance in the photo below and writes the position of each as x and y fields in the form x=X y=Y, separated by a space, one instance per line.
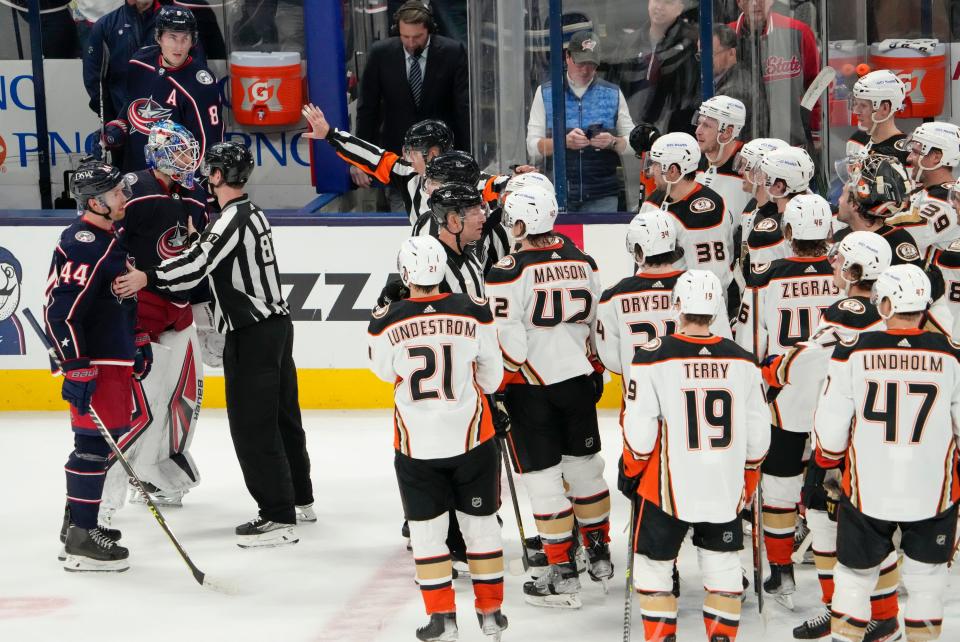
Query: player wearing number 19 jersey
x=891 y=409
x=543 y=298
x=695 y=432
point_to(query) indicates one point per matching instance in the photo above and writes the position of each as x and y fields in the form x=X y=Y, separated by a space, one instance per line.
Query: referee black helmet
x=453 y=167
x=427 y=134
x=231 y=158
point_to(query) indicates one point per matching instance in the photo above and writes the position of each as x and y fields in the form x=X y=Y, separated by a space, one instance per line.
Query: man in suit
x=410 y=77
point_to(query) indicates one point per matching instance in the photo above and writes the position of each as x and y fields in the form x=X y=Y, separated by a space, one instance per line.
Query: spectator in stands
x=270 y=25
x=86 y=13
x=673 y=70
x=597 y=125
x=788 y=62
x=414 y=75
x=730 y=78
x=58 y=30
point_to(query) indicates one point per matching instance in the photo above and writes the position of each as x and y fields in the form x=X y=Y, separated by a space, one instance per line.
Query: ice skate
x=92 y=550
x=558 y=587
x=492 y=624
x=262 y=533
x=781 y=584
x=165 y=498
x=442 y=627
x=598 y=555
x=112 y=533
x=815 y=628
x=306 y=514
x=883 y=630
x=405 y=534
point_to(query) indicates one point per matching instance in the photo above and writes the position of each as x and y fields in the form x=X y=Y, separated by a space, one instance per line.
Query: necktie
x=416 y=79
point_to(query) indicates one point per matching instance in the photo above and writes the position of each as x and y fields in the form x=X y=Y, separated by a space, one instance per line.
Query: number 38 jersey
x=544 y=302
x=441 y=354
x=695 y=414
x=783 y=302
x=891 y=406
x=637 y=310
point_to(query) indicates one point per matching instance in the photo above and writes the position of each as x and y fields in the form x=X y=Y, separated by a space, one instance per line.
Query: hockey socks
x=721 y=614
x=85 y=471
x=435 y=577
x=659 y=613
x=486 y=572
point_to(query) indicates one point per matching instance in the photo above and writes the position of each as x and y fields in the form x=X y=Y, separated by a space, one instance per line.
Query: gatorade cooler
x=926 y=74
x=266 y=88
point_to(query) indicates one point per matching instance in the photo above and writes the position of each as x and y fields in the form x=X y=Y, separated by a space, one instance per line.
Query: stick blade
x=219 y=585
x=817 y=87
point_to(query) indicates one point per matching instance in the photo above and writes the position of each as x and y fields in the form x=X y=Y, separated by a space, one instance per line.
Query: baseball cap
x=584 y=47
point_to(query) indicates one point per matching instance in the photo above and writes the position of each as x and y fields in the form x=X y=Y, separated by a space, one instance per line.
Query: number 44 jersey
x=697 y=425
x=544 y=302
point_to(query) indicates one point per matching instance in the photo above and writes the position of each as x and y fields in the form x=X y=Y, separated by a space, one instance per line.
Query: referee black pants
x=264 y=414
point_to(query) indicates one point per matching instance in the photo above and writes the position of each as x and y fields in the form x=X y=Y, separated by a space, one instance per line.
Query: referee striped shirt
x=236 y=254
x=493 y=245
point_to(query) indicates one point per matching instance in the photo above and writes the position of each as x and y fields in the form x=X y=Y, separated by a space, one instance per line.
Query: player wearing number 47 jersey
x=695 y=431
x=543 y=298
x=441 y=353
x=891 y=409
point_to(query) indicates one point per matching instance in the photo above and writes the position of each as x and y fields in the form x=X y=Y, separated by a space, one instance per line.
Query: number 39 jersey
x=783 y=302
x=544 y=303
x=637 y=310
x=695 y=412
x=891 y=406
x=441 y=354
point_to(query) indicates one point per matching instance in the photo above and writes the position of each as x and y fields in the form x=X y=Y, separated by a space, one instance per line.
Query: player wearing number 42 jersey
x=695 y=431
x=891 y=409
x=441 y=353
x=543 y=298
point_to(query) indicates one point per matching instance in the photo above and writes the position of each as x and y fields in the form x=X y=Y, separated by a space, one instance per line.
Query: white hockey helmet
x=697 y=292
x=530 y=179
x=750 y=155
x=675 y=148
x=907 y=288
x=881 y=85
x=534 y=206
x=792 y=165
x=808 y=216
x=937 y=135
x=421 y=261
x=725 y=110
x=653 y=230
x=868 y=250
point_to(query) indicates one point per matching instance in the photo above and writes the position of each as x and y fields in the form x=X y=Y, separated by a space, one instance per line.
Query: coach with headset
x=413 y=75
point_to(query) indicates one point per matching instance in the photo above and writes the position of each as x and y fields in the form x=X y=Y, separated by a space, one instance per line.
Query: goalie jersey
x=783 y=302
x=891 y=407
x=636 y=311
x=695 y=418
x=544 y=301
x=441 y=354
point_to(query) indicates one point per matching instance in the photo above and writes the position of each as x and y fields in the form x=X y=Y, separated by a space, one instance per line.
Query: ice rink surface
x=349 y=579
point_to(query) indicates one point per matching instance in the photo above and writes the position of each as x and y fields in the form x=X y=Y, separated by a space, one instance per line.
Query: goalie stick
x=201 y=577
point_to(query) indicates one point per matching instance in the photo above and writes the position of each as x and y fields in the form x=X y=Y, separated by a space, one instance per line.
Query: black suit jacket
x=385 y=107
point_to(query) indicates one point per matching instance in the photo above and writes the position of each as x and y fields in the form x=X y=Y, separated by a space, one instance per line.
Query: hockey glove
x=143 y=359
x=596 y=377
x=115 y=134
x=501 y=418
x=393 y=291
x=625 y=483
x=79 y=383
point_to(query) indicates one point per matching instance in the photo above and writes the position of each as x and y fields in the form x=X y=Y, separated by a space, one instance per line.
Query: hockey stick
x=201 y=577
x=524 y=561
x=628 y=600
x=757 y=541
x=817 y=87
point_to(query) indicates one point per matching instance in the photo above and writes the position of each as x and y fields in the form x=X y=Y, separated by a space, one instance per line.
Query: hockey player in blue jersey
x=96 y=342
x=165 y=82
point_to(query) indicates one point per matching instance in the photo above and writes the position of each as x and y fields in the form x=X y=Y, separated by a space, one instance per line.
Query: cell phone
x=593 y=130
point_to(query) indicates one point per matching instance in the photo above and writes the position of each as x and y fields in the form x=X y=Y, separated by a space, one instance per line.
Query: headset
x=413 y=9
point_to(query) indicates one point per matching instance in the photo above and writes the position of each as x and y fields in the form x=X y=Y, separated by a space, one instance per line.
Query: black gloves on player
x=596 y=378
x=79 y=383
x=143 y=359
x=501 y=419
x=820 y=489
x=393 y=291
x=626 y=484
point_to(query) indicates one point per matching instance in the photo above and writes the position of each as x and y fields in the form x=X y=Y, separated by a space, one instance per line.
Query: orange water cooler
x=266 y=88
x=925 y=75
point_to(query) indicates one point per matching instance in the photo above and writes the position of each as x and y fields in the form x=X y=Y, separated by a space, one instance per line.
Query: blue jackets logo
x=144 y=112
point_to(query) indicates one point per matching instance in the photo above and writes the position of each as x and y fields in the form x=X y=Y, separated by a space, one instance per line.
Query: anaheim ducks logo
x=702 y=205
x=143 y=113
x=766 y=225
x=172 y=242
x=759 y=268
x=853 y=306
x=848 y=340
x=900 y=145
x=379 y=313
x=954 y=246
x=506 y=262
x=651 y=345
x=908 y=252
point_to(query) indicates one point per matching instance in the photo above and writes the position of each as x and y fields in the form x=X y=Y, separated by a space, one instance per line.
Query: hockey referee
x=236 y=255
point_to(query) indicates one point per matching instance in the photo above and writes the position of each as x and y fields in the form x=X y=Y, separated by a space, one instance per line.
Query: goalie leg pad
x=485 y=557
x=434 y=566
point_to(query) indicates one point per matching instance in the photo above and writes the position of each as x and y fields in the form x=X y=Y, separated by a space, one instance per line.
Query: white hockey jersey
x=544 y=303
x=441 y=354
x=727 y=183
x=891 y=406
x=931 y=219
x=695 y=414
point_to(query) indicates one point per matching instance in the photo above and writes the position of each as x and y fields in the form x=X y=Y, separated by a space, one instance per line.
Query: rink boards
x=332 y=269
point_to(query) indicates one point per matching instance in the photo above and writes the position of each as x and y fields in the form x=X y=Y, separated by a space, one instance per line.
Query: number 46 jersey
x=544 y=303
x=697 y=423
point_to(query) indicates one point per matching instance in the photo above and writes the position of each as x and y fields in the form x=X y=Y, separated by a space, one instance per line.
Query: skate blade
x=279 y=537
x=62 y=555
x=562 y=601
x=77 y=564
x=786 y=601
